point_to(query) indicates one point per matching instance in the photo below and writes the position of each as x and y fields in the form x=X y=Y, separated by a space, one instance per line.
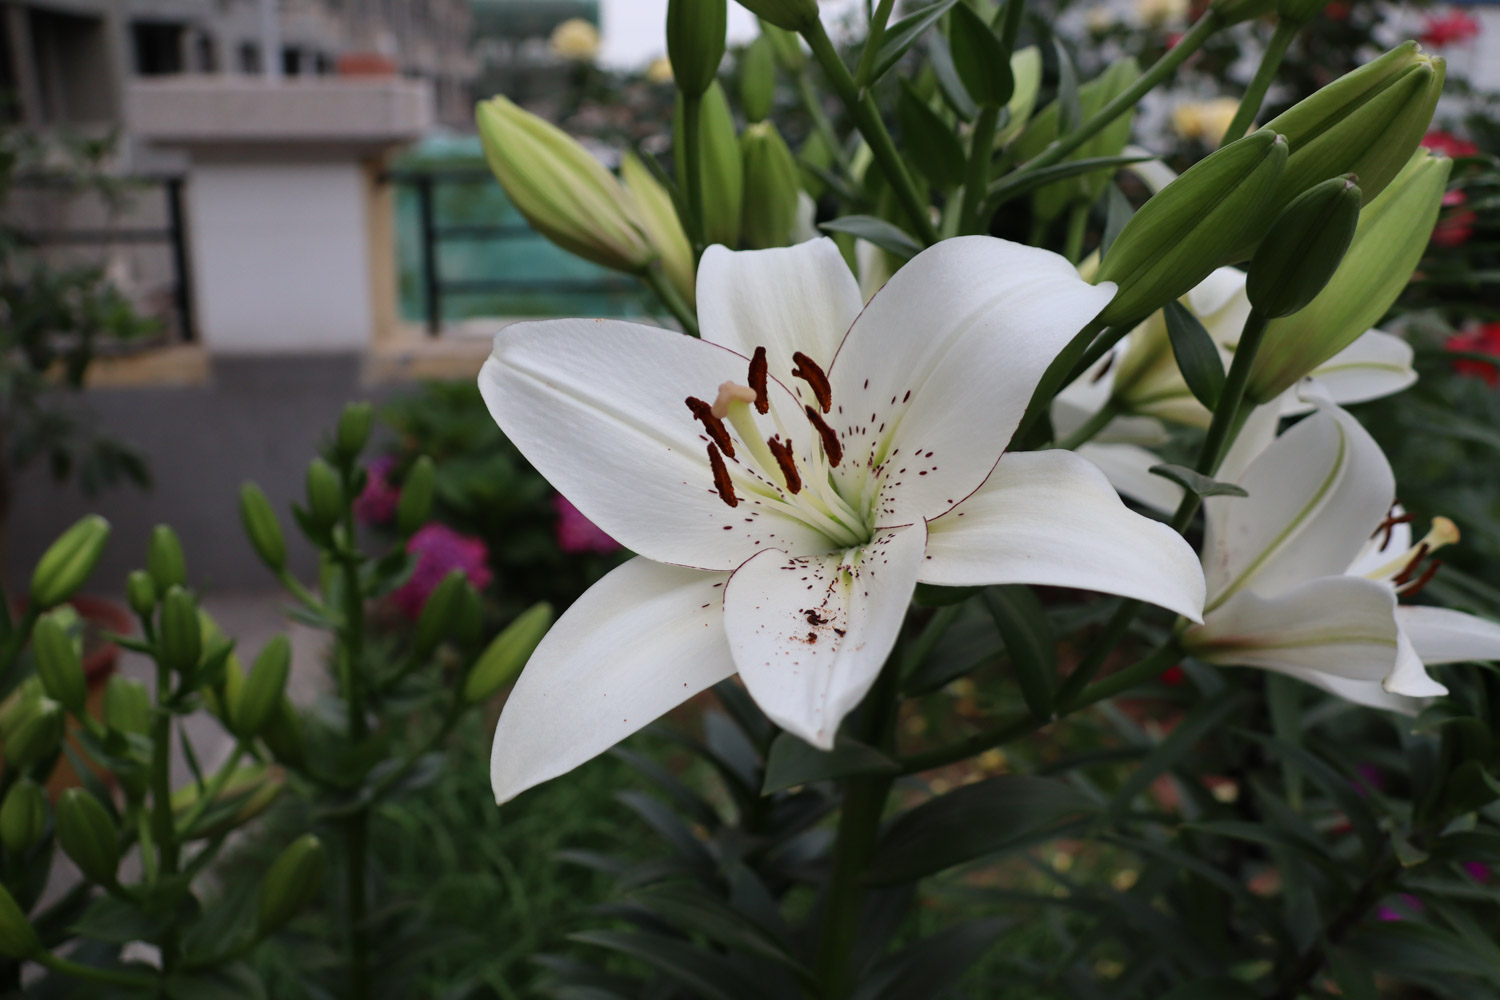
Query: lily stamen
x=712 y=424
x=808 y=371
x=758 y=369
x=783 y=452
x=831 y=446
x=722 y=483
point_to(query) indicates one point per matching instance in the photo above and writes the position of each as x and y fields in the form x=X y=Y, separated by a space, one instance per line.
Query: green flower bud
x=720 y=166
x=564 y=192
x=23 y=816
x=1053 y=199
x=253 y=703
x=1388 y=244
x=440 y=613
x=793 y=15
x=249 y=791
x=294 y=881
x=218 y=700
x=416 y=496
x=88 y=835
x=1191 y=227
x=59 y=664
x=18 y=706
x=325 y=497
x=262 y=527
x=17 y=937
x=67 y=563
x=757 y=78
x=354 y=429
x=140 y=593
x=695 y=42
x=786 y=45
x=180 y=637
x=164 y=559
x=37 y=735
x=663 y=228
x=771 y=186
x=127 y=706
x=503 y=658
x=1235 y=11
x=1366 y=123
x=283 y=735
x=1303 y=247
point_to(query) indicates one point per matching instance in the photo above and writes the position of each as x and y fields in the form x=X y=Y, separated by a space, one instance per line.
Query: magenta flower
x=440 y=550
x=1405 y=907
x=576 y=534
x=376 y=503
x=1477 y=870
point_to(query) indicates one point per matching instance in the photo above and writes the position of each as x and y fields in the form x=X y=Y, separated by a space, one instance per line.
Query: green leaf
x=1010 y=188
x=1185 y=736
x=903 y=35
x=1342 y=790
x=793 y=762
x=1405 y=946
x=237 y=981
x=929 y=142
x=1196 y=353
x=940 y=58
x=890 y=238
x=971 y=822
x=980 y=58
x=707 y=975
x=1069 y=108
x=694 y=910
x=1269 y=836
x=933 y=965
x=1212 y=989
x=1196 y=482
x=1354 y=978
x=116 y=921
x=1117 y=212
x=1029 y=642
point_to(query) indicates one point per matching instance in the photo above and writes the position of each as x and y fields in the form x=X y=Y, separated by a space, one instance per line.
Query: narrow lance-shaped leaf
x=940 y=58
x=793 y=762
x=982 y=62
x=884 y=235
x=930 y=142
x=1196 y=482
x=1029 y=642
x=903 y=35
x=1196 y=353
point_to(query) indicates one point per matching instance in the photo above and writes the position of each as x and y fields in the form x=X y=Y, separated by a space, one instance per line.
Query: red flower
x=1173 y=675
x=1338 y=10
x=1449 y=144
x=1449 y=28
x=439 y=551
x=1484 y=339
x=1455 y=228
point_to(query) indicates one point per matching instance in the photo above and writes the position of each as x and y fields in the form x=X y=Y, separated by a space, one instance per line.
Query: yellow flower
x=1204 y=120
x=575 y=39
x=660 y=70
x=1157 y=13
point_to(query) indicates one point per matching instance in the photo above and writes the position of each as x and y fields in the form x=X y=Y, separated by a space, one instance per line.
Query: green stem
x=1292 y=983
x=356 y=844
x=1090 y=427
x=211 y=791
x=692 y=160
x=867 y=119
x=1191 y=42
x=356 y=828
x=878 y=20
x=667 y=296
x=162 y=827
x=1255 y=94
x=1078 y=220
x=814 y=107
x=977 y=180
x=969 y=746
x=112 y=976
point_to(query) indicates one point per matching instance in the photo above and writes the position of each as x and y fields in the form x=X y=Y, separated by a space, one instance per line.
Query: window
x=158 y=47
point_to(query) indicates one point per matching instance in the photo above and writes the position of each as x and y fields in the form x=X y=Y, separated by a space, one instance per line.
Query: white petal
x=1375 y=365
x=875 y=268
x=1254 y=437
x=1051 y=517
x=1339 y=625
x=1440 y=635
x=1410 y=678
x=639 y=642
x=810 y=634
x=1153 y=173
x=787 y=299
x=1220 y=299
x=937 y=370
x=597 y=406
x=1315 y=495
x=1371 y=694
x=1381 y=550
x=1128 y=469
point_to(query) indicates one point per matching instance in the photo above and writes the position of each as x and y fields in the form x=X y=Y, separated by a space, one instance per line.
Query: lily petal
x=1052 y=518
x=936 y=372
x=1440 y=635
x=1315 y=494
x=1371 y=694
x=639 y=642
x=1128 y=469
x=809 y=634
x=597 y=406
x=1338 y=625
x=1375 y=365
x=787 y=299
x=1410 y=677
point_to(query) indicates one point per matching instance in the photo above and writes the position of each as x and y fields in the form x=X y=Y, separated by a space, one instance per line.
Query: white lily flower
x=1304 y=573
x=786 y=485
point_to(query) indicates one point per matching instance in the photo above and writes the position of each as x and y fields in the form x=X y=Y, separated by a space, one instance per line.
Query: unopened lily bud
x=282 y=735
x=786 y=45
x=416 y=496
x=695 y=42
x=439 y=614
x=67 y=563
x=17 y=706
x=663 y=227
x=1191 y=227
x=88 y=835
x=294 y=881
x=325 y=497
x=250 y=790
x=164 y=559
x=1365 y=123
x=127 y=706
x=354 y=429
x=793 y=15
x=1235 y=11
x=180 y=638
x=256 y=700
x=719 y=164
x=564 y=193
x=23 y=816
x=37 y=735
x=218 y=699
x=18 y=938
x=59 y=664
x=1388 y=244
x=140 y=593
x=503 y=658
x=757 y=78
x=771 y=186
x=1303 y=247
x=262 y=527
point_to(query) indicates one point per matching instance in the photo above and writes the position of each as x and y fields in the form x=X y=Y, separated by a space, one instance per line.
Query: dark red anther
x=1391 y=520
x=783 y=454
x=1411 y=567
x=1109 y=363
x=758 y=380
x=1424 y=579
x=808 y=371
x=722 y=482
x=831 y=446
x=715 y=427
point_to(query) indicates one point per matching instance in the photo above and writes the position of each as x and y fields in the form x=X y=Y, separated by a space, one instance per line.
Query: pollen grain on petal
x=808 y=371
x=783 y=453
x=758 y=368
x=722 y=482
x=704 y=413
x=831 y=446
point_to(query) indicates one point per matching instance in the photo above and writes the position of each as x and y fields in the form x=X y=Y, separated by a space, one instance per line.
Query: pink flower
x=440 y=550
x=1477 y=870
x=1449 y=28
x=376 y=503
x=1455 y=228
x=1484 y=339
x=576 y=534
x=1406 y=907
x=1449 y=144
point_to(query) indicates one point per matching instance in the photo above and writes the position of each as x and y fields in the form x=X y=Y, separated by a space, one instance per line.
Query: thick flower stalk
x=789 y=479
